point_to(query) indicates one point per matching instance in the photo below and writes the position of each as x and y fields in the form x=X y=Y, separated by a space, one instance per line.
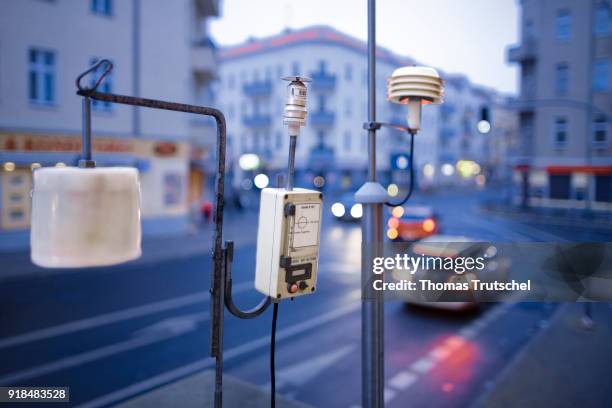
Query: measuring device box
x=288 y=240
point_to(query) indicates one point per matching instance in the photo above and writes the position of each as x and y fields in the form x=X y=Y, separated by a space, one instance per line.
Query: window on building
x=600 y=129
x=322 y=102
x=603 y=188
x=560 y=131
x=347 y=141
x=279 y=140
x=267 y=144
x=103 y=7
x=559 y=186
x=601 y=75
x=561 y=78
x=348 y=72
x=348 y=108
x=603 y=20
x=322 y=66
x=41 y=76
x=528 y=29
x=563 y=25
x=105 y=86
x=255 y=144
x=321 y=137
x=173 y=189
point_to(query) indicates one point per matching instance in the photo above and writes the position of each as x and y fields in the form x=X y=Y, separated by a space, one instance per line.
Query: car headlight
x=338 y=209
x=356 y=210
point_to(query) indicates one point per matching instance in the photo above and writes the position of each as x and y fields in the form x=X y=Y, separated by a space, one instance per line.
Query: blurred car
x=411 y=223
x=347 y=209
x=448 y=246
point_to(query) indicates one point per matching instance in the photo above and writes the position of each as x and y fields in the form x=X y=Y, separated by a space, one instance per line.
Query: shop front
x=163 y=167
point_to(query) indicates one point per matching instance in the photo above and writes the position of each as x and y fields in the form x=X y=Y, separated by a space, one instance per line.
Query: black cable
x=411 y=170
x=272 y=358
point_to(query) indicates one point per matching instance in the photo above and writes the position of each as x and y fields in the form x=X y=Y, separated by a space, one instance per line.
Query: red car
x=411 y=223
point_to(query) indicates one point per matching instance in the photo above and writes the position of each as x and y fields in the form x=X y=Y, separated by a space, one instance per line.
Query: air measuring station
x=289 y=218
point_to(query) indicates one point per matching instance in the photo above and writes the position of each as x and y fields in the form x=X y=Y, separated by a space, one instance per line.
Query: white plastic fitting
x=85 y=217
x=415 y=86
x=294 y=115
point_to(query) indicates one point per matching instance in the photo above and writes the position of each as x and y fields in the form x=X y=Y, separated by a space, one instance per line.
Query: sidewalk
x=17 y=265
x=559 y=217
x=564 y=366
x=197 y=391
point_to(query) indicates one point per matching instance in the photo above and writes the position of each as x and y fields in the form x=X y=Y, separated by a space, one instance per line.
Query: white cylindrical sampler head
x=85 y=217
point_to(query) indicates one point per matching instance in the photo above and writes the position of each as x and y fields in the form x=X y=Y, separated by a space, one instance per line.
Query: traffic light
x=484 y=121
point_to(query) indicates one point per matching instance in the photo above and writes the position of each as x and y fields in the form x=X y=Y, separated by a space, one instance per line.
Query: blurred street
x=113 y=333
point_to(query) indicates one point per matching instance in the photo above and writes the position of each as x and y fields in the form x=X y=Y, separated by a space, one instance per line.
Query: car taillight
x=393 y=223
x=429 y=225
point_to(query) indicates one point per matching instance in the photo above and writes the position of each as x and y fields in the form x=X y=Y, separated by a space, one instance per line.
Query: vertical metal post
x=86 y=160
x=291 y=163
x=372 y=310
x=136 y=66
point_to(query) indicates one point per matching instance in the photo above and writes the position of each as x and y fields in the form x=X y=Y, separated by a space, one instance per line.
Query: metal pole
x=372 y=310
x=291 y=163
x=86 y=160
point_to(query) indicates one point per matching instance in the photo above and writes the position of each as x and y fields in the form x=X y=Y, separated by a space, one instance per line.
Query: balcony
x=323 y=81
x=524 y=52
x=204 y=59
x=257 y=88
x=257 y=120
x=447 y=133
x=447 y=109
x=321 y=118
x=321 y=158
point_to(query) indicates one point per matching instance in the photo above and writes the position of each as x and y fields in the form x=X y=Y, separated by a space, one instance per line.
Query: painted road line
x=440 y=353
x=403 y=380
x=178 y=373
x=468 y=332
x=299 y=374
x=389 y=394
x=114 y=317
x=141 y=339
x=422 y=365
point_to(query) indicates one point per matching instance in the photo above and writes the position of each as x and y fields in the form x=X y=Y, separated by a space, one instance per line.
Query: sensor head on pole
x=295 y=112
x=415 y=86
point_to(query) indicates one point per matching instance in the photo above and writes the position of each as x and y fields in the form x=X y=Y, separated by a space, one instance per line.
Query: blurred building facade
x=333 y=145
x=564 y=155
x=159 y=49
